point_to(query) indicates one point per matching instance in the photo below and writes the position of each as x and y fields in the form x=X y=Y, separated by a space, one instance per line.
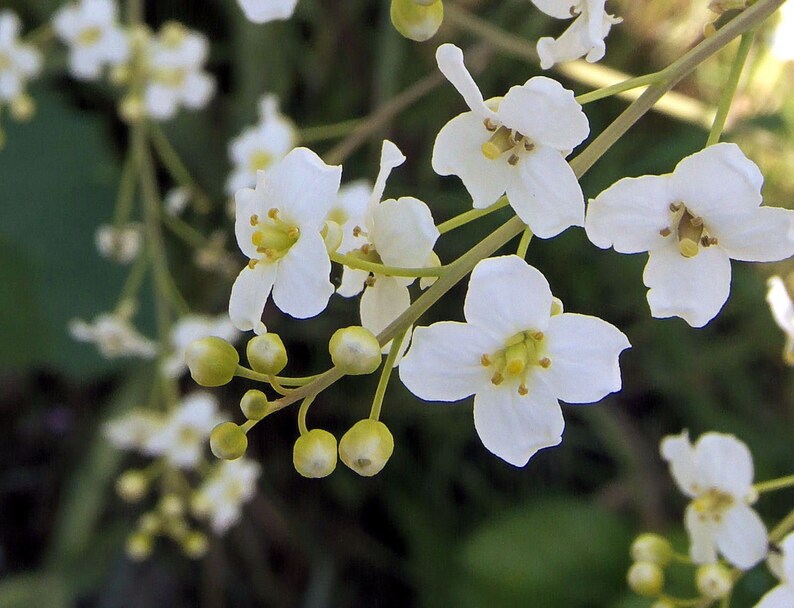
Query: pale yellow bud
x=417 y=21
x=132 y=485
x=355 y=350
x=228 y=441
x=171 y=506
x=132 y=109
x=139 y=546
x=255 y=405
x=652 y=548
x=645 y=578
x=266 y=354
x=23 y=108
x=714 y=581
x=149 y=523
x=212 y=361
x=366 y=447
x=120 y=75
x=195 y=544
x=314 y=454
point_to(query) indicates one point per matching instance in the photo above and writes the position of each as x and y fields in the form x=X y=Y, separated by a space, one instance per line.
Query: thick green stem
x=774 y=484
x=471 y=215
x=385 y=374
x=523 y=244
x=729 y=91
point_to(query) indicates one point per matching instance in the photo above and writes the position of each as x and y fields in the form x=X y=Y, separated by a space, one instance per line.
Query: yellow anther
x=252 y=264
x=254 y=219
x=366 y=248
x=675 y=207
x=528 y=145
x=538 y=335
x=522 y=389
x=575 y=12
x=89 y=36
x=696 y=221
x=489 y=125
x=293 y=232
x=357 y=231
x=485 y=360
x=273 y=213
x=708 y=241
x=370 y=281
x=497 y=379
x=665 y=232
x=545 y=362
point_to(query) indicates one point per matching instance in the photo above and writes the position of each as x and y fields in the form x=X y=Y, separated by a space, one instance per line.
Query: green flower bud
x=355 y=350
x=714 y=581
x=228 y=441
x=652 y=548
x=266 y=354
x=255 y=405
x=132 y=485
x=417 y=21
x=314 y=454
x=195 y=544
x=645 y=578
x=366 y=447
x=139 y=546
x=212 y=361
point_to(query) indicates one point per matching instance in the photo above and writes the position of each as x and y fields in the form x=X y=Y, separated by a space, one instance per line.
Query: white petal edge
x=249 y=295
x=450 y=61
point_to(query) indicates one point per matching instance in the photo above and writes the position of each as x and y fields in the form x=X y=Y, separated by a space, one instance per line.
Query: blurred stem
x=177 y=169
x=180 y=228
x=329 y=131
x=134 y=280
x=126 y=194
x=44 y=34
x=620 y=87
x=135 y=13
x=390 y=271
x=385 y=374
x=523 y=244
x=729 y=92
x=783 y=528
x=469 y=216
x=774 y=484
x=304 y=409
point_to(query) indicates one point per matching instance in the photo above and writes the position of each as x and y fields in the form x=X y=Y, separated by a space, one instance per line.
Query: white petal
x=382 y=303
x=10 y=85
x=546 y=113
x=723 y=462
x=694 y=289
x=583 y=38
x=629 y=214
x=545 y=193
x=198 y=89
x=352 y=282
x=302 y=286
x=764 y=235
x=450 y=61
x=404 y=232
x=390 y=157
x=701 y=537
x=506 y=296
x=160 y=101
x=262 y=11
x=742 y=537
x=678 y=452
x=515 y=427
x=249 y=294
x=561 y=9
x=787 y=545
x=10 y=27
x=444 y=361
x=584 y=357
x=781 y=596
x=458 y=151
x=85 y=64
x=248 y=203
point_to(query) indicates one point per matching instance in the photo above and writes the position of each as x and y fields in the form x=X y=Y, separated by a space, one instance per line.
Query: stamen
x=254 y=219
x=512 y=160
x=675 y=207
x=357 y=231
x=665 y=232
x=366 y=248
x=498 y=144
x=522 y=389
x=490 y=125
x=293 y=232
x=370 y=281
x=497 y=379
x=689 y=233
x=273 y=213
x=538 y=335
x=528 y=145
x=545 y=363
x=485 y=360
x=252 y=264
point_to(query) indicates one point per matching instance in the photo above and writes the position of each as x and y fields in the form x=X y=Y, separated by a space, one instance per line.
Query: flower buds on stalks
x=714 y=581
x=132 y=485
x=314 y=454
x=228 y=441
x=255 y=405
x=645 y=578
x=355 y=350
x=366 y=447
x=417 y=20
x=195 y=544
x=139 y=546
x=266 y=354
x=212 y=361
x=652 y=548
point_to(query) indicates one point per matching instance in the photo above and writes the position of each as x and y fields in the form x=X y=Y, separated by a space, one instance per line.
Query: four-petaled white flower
x=584 y=37
x=175 y=60
x=262 y=11
x=183 y=436
x=121 y=244
x=114 y=335
x=692 y=223
x=516 y=144
x=19 y=62
x=398 y=233
x=779 y=300
x=258 y=148
x=782 y=596
x=133 y=430
x=717 y=474
x=190 y=328
x=278 y=226
x=516 y=357
x=91 y=30
x=220 y=498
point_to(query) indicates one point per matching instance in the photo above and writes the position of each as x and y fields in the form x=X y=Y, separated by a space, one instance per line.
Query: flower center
x=171 y=77
x=273 y=236
x=689 y=229
x=712 y=505
x=89 y=36
x=5 y=62
x=505 y=140
x=259 y=160
x=521 y=354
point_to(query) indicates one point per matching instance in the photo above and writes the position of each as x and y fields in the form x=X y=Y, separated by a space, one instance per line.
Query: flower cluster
x=19 y=63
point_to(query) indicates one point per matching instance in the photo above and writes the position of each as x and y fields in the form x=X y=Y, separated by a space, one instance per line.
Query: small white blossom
x=19 y=62
x=717 y=474
x=176 y=200
x=779 y=300
x=190 y=328
x=349 y=213
x=782 y=596
x=91 y=30
x=516 y=358
x=221 y=496
x=278 y=227
x=134 y=430
x=692 y=222
x=262 y=11
x=121 y=244
x=114 y=335
x=258 y=148
x=517 y=145
x=584 y=37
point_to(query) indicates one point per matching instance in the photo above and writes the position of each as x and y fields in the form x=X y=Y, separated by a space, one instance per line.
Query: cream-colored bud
x=366 y=447
x=228 y=441
x=171 y=506
x=120 y=75
x=132 y=485
x=645 y=578
x=417 y=21
x=714 y=581
x=139 y=546
x=355 y=350
x=314 y=454
x=266 y=354
x=23 y=108
x=255 y=405
x=150 y=523
x=652 y=548
x=212 y=361
x=132 y=109
x=195 y=544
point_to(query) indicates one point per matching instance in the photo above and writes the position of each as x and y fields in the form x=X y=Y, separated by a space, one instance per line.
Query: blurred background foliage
x=446 y=523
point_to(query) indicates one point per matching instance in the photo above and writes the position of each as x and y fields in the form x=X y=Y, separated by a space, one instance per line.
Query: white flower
x=349 y=213
x=717 y=474
x=114 y=335
x=584 y=37
x=176 y=200
x=782 y=596
x=91 y=30
x=257 y=148
x=516 y=144
x=182 y=437
x=175 y=60
x=19 y=62
x=692 y=222
x=397 y=233
x=190 y=328
x=262 y=11
x=278 y=227
x=221 y=496
x=121 y=244
x=782 y=308
x=134 y=430
x=516 y=357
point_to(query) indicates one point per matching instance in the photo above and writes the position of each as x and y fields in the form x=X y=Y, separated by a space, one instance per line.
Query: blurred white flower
x=717 y=474
x=782 y=596
x=19 y=62
x=349 y=213
x=515 y=145
x=692 y=222
x=176 y=200
x=258 y=148
x=516 y=358
x=134 y=430
x=114 y=335
x=220 y=498
x=262 y=11
x=190 y=328
x=91 y=30
x=122 y=244
x=779 y=300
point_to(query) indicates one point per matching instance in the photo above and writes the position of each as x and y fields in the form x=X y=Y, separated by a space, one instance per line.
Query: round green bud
x=132 y=485
x=714 y=581
x=417 y=21
x=195 y=544
x=652 y=548
x=171 y=506
x=266 y=354
x=254 y=404
x=314 y=454
x=139 y=546
x=366 y=447
x=212 y=361
x=228 y=441
x=645 y=578
x=355 y=350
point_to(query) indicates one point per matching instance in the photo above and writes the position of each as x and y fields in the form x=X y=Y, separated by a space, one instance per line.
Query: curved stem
x=322 y=132
x=277 y=385
x=471 y=215
x=523 y=244
x=385 y=374
x=782 y=528
x=391 y=271
x=620 y=87
x=134 y=280
x=126 y=194
x=774 y=484
x=304 y=409
x=192 y=237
